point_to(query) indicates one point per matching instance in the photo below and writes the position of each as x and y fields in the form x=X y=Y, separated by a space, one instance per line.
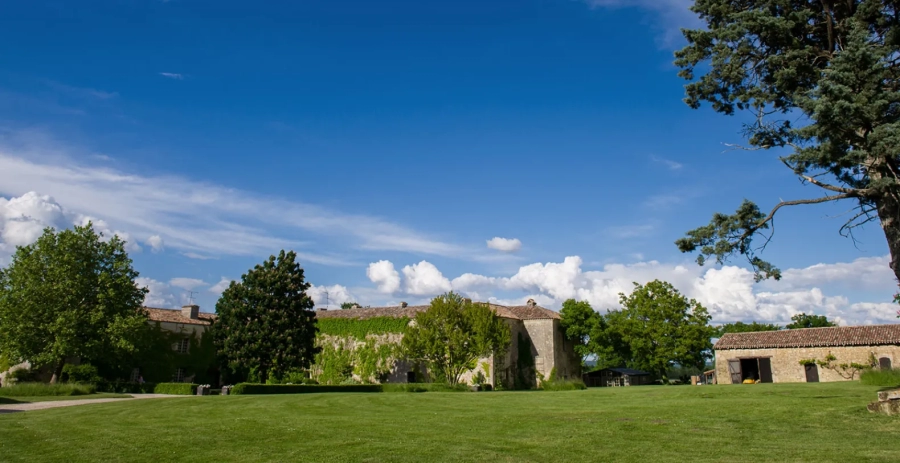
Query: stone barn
x=790 y=356
x=538 y=345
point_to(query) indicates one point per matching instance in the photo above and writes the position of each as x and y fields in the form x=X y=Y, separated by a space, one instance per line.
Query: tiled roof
x=872 y=335
x=514 y=312
x=175 y=316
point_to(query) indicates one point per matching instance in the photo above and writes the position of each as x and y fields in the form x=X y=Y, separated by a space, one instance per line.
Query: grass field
x=764 y=422
x=51 y=398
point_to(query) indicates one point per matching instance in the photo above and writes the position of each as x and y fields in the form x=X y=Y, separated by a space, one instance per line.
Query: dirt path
x=23 y=407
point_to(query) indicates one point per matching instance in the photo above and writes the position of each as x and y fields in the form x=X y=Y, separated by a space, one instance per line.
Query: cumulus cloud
x=221 y=286
x=330 y=296
x=729 y=293
x=504 y=244
x=24 y=218
x=156 y=243
x=160 y=295
x=187 y=284
x=424 y=279
x=383 y=274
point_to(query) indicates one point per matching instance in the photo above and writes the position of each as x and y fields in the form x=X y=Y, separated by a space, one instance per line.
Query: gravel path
x=12 y=408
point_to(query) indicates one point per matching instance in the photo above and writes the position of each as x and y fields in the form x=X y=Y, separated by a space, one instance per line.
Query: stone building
x=787 y=356
x=184 y=322
x=536 y=328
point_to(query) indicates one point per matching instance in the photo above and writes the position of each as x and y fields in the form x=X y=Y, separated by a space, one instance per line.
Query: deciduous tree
x=266 y=321
x=663 y=328
x=821 y=79
x=803 y=320
x=70 y=294
x=741 y=327
x=453 y=334
x=578 y=319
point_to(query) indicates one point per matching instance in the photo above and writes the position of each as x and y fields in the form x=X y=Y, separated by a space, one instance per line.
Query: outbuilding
x=790 y=356
x=616 y=377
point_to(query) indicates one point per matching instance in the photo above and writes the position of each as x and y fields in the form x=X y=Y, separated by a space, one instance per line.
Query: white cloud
x=221 y=286
x=172 y=75
x=160 y=295
x=383 y=274
x=424 y=279
x=504 y=244
x=187 y=284
x=156 y=243
x=672 y=165
x=729 y=292
x=194 y=255
x=223 y=221
x=329 y=296
x=671 y=15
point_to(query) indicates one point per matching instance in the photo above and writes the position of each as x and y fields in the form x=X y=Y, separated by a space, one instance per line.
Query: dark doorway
x=812 y=373
x=749 y=369
x=884 y=363
x=734 y=369
x=765 y=370
x=410 y=376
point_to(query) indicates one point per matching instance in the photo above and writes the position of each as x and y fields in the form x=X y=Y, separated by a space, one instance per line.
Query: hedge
x=251 y=388
x=425 y=387
x=176 y=388
x=125 y=387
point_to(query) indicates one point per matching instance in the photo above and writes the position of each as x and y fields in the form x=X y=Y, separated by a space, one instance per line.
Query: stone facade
x=790 y=356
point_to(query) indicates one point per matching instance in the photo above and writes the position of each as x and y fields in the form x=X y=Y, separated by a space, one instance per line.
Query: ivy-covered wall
x=354 y=350
x=359 y=329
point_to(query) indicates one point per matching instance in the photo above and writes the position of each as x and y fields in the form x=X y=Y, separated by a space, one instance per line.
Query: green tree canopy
x=741 y=327
x=578 y=320
x=802 y=320
x=265 y=321
x=70 y=294
x=453 y=334
x=820 y=78
x=663 y=328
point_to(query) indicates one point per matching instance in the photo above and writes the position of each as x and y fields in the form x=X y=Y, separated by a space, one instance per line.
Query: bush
x=43 y=389
x=250 y=388
x=175 y=388
x=84 y=373
x=887 y=378
x=563 y=385
x=424 y=387
x=22 y=375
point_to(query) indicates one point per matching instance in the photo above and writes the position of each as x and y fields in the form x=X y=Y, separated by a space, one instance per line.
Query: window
x=178 y=377
x=884 y=363
x=182 y=346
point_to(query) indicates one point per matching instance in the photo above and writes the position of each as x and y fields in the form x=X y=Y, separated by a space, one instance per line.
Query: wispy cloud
x=172 y=75
x=672 y=165
x=670 y=16
x=202 y=219
x=631 y=231
x=80 y=92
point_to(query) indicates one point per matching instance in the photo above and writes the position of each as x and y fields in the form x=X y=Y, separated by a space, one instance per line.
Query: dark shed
x=616 y=377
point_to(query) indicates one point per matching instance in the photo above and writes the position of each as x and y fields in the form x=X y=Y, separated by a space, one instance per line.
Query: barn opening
x=752 y=368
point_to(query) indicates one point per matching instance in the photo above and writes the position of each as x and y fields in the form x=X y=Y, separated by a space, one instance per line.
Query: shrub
x=22 y=375
x=250 y=388
x=84 y=373
x=424 y=387
x=175 y=388
x=43 y=389
x=563 y=385
x=888 y=378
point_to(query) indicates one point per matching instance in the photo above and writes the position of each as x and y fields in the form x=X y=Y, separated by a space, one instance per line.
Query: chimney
x=403 y=305
x=531 y=303
x=356 y=306
x=190 y=311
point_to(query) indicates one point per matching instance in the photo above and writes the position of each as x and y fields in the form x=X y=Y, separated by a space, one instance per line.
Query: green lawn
x=51 y=398
x=742 y=423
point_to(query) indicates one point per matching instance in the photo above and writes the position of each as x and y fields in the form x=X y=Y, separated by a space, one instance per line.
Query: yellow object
x=749 y=381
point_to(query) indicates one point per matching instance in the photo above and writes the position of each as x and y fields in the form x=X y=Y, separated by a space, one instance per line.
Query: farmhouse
x=789 y=356
x=537 y=345
x=183 y=324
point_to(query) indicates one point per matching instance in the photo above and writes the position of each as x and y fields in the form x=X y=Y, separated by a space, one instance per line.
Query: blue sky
x=212 y=134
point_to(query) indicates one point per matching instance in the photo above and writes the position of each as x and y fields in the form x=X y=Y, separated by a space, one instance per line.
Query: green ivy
x=524 y=364
x=334 y=363
x=359 y=329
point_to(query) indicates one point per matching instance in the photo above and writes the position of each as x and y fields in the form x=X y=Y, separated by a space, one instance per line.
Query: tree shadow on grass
x=7 y=401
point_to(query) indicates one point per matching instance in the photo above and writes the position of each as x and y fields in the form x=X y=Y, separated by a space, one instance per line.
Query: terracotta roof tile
x=871 y=335
x=175 y=316
x=515 y=312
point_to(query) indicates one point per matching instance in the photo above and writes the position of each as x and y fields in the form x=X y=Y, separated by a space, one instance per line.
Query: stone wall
x=786 y=367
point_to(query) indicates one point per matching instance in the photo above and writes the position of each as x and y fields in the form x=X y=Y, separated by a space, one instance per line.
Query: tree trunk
x=57 y=372
x=889 y=213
